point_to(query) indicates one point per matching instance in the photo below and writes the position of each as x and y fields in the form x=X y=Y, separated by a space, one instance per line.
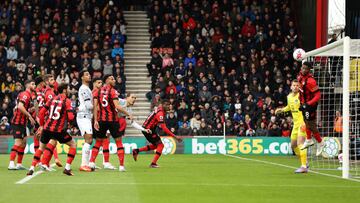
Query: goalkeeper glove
x=303 y=107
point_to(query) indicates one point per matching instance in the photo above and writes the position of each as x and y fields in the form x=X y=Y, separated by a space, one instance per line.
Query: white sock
x=67 y=166
x=18 y=164
x=85 y=154
x=32 y=168
x=12 y=163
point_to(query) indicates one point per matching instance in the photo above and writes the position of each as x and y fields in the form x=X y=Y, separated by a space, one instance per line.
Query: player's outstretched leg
x=158 y=153
x=135 y=152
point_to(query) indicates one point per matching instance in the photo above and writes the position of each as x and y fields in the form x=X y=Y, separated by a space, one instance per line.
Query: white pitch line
x=202 y=184
x=27 y=178
x=291 y=167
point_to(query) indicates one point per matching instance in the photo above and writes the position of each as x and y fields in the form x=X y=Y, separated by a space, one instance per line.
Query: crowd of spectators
x=61 y=38
x=223 y=62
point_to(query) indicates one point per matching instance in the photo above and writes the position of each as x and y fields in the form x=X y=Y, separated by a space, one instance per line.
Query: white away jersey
x=85 y=101
x=123 y=104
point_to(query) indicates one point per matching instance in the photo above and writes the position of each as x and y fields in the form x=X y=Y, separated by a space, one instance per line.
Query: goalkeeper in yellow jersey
x=298 y=133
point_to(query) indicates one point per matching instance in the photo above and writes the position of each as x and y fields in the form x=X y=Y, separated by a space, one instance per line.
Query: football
x=299 y=54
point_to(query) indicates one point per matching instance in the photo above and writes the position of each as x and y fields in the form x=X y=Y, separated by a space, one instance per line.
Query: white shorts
x=85 y=126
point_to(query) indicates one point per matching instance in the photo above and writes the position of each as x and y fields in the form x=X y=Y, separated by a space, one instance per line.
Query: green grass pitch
x=181 y=178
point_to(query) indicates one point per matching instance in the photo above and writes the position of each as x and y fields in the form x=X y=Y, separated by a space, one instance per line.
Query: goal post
x=337 y=72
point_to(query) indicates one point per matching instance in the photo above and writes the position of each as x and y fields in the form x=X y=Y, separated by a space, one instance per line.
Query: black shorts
x=113 y=127
x=310 y=113
x=18 y=131
x=152 y=138
x=62 y=137
x=96 y=134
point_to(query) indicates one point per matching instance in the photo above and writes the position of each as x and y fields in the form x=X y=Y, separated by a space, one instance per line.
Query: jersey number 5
x=55 y=112
x=104 y=101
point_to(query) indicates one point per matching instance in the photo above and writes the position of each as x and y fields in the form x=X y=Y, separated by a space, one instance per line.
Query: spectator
x=203 y=130
x=195 y=122
x=12 y=53
x=262 y=130
x=117 y=50
x=188 y=23
x=171 y=122
x=274 y=131
x=62 y=78
x=184 y=130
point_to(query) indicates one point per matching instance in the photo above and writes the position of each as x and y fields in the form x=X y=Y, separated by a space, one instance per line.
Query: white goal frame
x=341 y=48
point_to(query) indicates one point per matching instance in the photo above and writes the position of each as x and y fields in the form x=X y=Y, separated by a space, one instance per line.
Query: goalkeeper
x=298 y=133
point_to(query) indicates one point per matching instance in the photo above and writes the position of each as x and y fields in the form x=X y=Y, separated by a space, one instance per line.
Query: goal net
x=336 y=68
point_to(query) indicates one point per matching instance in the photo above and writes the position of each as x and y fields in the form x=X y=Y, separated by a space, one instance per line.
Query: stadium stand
x=209 y=58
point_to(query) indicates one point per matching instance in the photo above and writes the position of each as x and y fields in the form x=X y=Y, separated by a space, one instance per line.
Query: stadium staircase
x=137 y=55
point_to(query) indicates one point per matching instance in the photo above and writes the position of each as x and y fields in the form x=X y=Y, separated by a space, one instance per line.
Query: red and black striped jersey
x=156 y=117
x=48 y=94
x=39 y=97
x=106 y=97
x=95 y=93
x=19 y=118
x=60 y=112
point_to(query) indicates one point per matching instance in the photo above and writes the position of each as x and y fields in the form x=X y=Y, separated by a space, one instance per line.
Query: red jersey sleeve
x=69 y=110
x=160 y=117
x=114 y=94
x=49 y=95
x=95 y=94
x=311 y=85
x=24 y=98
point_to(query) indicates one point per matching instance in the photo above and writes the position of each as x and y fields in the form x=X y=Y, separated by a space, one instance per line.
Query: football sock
x=308 y=134
x=120 y=151
x=95 y=150
x=47 y=154
x=158 y=152
x=36 y=144
x=106 y=151
x=70 y=157
x=13 y=152
x=85 y=154
x=20 y=154
x=36 y=158
x=147 y=148
x=317 y=137
x=303 y=157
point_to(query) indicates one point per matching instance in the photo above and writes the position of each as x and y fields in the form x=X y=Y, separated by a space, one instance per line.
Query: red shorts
x=122 y=123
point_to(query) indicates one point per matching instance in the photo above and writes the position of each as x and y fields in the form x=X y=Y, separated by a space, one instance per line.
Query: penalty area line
x=28 y=178
x=291 y=167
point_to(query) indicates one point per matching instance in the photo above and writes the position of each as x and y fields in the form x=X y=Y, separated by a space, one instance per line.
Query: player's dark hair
x=106 y=77
x=28 y=81
x=96 y=79
x=47 y=77
x=82 y=73
x=38 y=80
x=295 y=80
x=307 y=64
x=62 y=87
